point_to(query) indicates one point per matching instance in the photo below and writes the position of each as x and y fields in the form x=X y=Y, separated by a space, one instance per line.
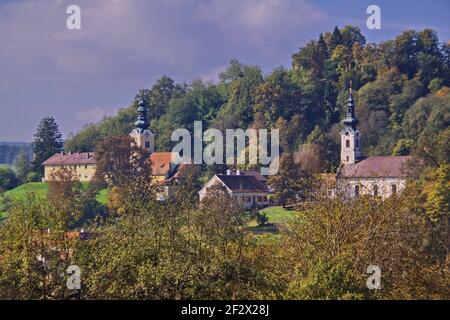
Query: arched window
x=357 y=191
x=347 y=143
x=347 y=158
x=375 y=190
x=357 y=143
x=394 y=189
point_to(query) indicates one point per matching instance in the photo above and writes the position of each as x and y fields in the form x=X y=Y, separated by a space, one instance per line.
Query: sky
x=79 y=76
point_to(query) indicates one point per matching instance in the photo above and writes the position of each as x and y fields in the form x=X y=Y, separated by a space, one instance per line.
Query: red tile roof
x=161 y=162
x=380 y=166
x=83 y=158
x=182 y=170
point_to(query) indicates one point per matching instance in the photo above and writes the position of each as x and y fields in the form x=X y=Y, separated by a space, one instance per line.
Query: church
x=381 y=176
x=164 y=170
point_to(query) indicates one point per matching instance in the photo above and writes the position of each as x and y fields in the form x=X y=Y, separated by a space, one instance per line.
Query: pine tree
x=47 y=142
x=22 y=166
x=336 y=38
x=322 y=48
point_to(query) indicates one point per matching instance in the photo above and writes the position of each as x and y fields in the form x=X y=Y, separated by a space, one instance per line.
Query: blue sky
x=78 y=76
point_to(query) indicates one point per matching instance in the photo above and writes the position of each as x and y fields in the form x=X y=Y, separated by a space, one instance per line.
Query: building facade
x=245 y=190
x=82 y=165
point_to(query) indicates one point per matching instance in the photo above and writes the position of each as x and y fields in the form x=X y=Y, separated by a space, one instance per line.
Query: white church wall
x=387 y=186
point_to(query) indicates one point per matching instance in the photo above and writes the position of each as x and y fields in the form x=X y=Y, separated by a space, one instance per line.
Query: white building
x=143 y=136
x=379 y=176
x=246 y=190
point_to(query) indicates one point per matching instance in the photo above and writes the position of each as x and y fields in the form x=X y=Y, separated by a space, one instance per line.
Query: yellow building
x=164 y=170
x=81 y=164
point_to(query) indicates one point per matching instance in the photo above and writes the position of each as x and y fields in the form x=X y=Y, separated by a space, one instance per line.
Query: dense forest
x=10 y=150
x=401 y=87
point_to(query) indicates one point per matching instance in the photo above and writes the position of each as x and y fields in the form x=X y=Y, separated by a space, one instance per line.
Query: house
x=166 y=173
x=81 y=164
x=163 y=167
x=381 y=176
x=244 y=189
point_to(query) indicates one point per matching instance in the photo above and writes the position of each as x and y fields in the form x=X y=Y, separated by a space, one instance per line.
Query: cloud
x=93 y=115
x=125 y=45
x=259 y=21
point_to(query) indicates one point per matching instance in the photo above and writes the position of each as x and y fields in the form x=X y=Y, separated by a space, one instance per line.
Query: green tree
x=47 y=142
x=438 y=198
x=8 y=179
x=23 y=167
x=290 y=184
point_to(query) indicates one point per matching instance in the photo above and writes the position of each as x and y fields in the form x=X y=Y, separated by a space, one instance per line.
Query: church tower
x=143 y=136
x=350 y=136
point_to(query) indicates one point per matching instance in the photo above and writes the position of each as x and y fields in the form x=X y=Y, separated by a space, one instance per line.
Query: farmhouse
x=246 y=190
x=381 y=176
x=81 y=164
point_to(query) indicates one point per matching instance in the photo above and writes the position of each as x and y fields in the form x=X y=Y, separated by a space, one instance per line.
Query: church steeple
x=143 y=136
x=350 y=118
x=350 y=136
x=142 y=121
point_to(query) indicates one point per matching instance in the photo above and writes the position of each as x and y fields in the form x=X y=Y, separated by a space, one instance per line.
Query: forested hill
x=9 y=151
x=401 y=88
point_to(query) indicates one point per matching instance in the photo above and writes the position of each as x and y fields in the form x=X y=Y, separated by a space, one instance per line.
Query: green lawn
x=278 y=215
x=40 y=190
x=277 y=218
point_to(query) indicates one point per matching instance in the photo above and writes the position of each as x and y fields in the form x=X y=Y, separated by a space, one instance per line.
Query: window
x=357 y=191
x=347 y=143
x=259 y=199
x=265 y=198
x=147 y=144
x=394 y=189
x=375 y=190
x=357 y=143
x=347 y=158
x=242 y=198
x=85 y=167
x=249 y=199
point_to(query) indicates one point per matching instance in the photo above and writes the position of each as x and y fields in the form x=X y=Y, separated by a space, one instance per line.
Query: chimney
x=228 y=172
x=238 y=172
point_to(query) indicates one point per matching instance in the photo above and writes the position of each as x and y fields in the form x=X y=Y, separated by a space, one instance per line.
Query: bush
x=8 y=179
